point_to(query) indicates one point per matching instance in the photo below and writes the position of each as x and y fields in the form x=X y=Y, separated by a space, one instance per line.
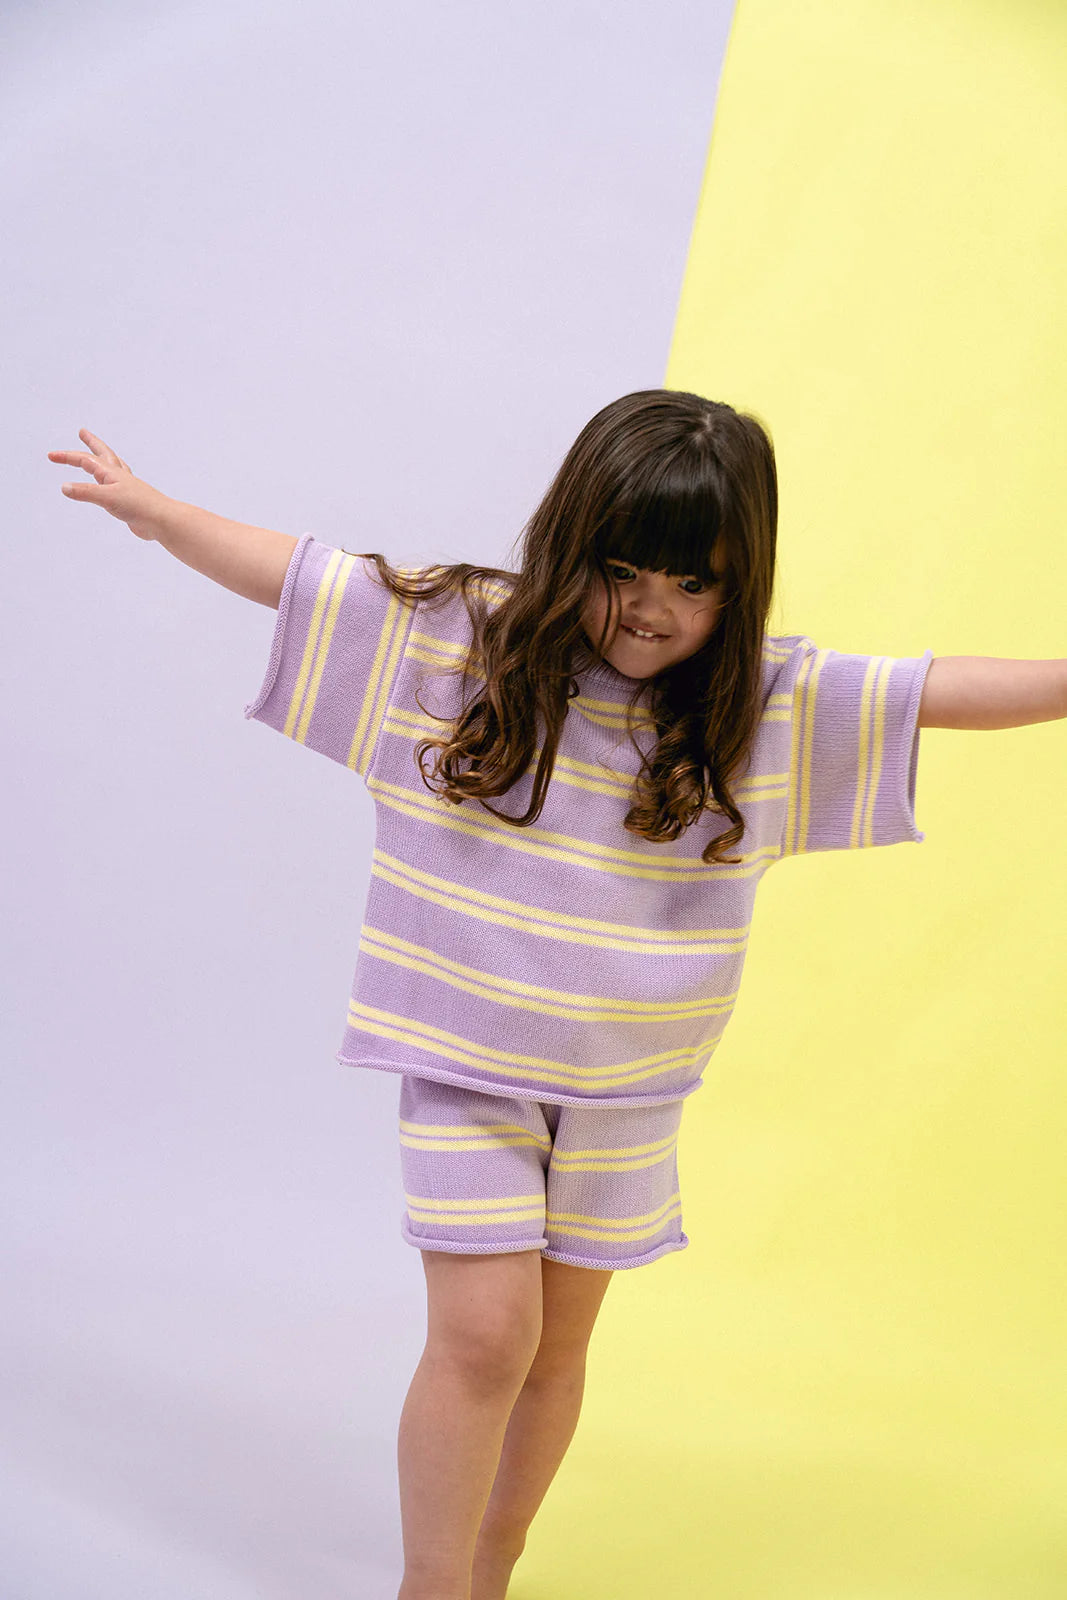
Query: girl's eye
x=620 y=574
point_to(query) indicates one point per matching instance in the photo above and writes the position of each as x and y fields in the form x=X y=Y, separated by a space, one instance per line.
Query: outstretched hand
x=129 y=499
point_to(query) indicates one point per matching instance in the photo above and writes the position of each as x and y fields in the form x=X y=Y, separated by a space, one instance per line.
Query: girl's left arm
x=988 y=692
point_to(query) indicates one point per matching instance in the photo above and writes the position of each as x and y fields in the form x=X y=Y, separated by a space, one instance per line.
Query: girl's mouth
x=642 y=633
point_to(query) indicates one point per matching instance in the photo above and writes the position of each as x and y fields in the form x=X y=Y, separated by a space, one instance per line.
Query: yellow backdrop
x=853 y=1385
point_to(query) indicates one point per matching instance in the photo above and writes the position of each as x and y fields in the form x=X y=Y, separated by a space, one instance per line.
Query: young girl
x=581 y=771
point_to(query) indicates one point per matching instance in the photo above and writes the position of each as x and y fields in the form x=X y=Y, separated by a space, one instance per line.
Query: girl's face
x=681 y=613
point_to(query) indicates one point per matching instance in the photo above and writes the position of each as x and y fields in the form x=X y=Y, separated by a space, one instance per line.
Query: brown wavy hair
x=654 y=479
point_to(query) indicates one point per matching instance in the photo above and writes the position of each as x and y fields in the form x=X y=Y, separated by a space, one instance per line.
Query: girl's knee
x=484 y=1311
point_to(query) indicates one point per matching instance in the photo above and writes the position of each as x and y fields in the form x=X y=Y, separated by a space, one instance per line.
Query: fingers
x=99 y=448
x=96 y=469
x=100 y=462
x=88 y=463
x=101 y=453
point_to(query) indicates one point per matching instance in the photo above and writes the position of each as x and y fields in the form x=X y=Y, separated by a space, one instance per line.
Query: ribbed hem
x=629 y=1261
x=503 y=1248
x=507 y=1092
x=466 y=1247
x=908 y=770
x=274 y=661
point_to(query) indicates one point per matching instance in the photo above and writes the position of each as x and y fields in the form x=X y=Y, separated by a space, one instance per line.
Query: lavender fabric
x=568 y=962
x=586 y=1185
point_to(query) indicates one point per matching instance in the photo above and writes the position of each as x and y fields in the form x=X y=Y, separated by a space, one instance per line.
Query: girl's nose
x=649 y=600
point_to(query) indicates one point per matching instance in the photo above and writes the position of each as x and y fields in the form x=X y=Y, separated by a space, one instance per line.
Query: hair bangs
x=672 y=527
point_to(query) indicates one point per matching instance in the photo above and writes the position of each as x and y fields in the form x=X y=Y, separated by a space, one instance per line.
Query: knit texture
x=570 y=961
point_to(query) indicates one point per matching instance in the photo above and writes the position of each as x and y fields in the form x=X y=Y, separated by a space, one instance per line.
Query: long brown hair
x=654 y=479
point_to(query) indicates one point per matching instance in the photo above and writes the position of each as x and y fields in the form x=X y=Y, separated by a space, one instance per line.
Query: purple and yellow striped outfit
x=531 y=984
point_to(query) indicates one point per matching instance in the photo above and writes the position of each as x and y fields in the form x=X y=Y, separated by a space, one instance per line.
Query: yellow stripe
x=446 y=1137
x=405 y=724
x=322 y=651
x=378 y=687
x=410 y=803
x=419 y=722
x=562 y=773
x=812 y=690
x=599 y=705
x=620 y=1233
x=310 y=649
x=534 y=997
x=757 y=788
x=561 y=931
x=634 y=1159
x=455 y=1205
x=433 y=1212
x=448 y=647
x=605 y=780
x=641 y=1154
x=423 y=724
x=863 y=753
x=436 y=1213
x=412 y=654
x=470 y=1137
x=496 y=828
x=507 y=1064
x=789 y=843
x=637 y=721
x=879 y=747
x=554 y=924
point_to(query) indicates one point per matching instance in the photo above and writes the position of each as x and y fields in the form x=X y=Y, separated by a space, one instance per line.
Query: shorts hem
x=509 y=1247
x=624 y=1263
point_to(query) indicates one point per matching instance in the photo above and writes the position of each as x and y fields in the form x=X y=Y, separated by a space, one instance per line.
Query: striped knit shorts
x=593 y=1186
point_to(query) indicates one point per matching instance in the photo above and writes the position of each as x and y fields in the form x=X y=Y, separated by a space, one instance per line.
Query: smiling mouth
x=643 y=634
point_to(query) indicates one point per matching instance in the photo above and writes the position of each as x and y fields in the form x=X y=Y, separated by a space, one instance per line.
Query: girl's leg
x=483 y=1328
x=542 y=1423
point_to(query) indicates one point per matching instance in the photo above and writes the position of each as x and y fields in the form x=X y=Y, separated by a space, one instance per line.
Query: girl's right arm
x=249 y=561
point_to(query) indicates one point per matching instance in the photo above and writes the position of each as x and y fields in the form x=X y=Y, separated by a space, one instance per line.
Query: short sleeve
x=338 y=641
x=854 y=750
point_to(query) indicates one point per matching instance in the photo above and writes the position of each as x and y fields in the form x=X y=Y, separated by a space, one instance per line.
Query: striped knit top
x=570 y=961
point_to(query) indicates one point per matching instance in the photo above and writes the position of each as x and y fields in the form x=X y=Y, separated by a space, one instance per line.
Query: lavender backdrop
x=347 y=269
